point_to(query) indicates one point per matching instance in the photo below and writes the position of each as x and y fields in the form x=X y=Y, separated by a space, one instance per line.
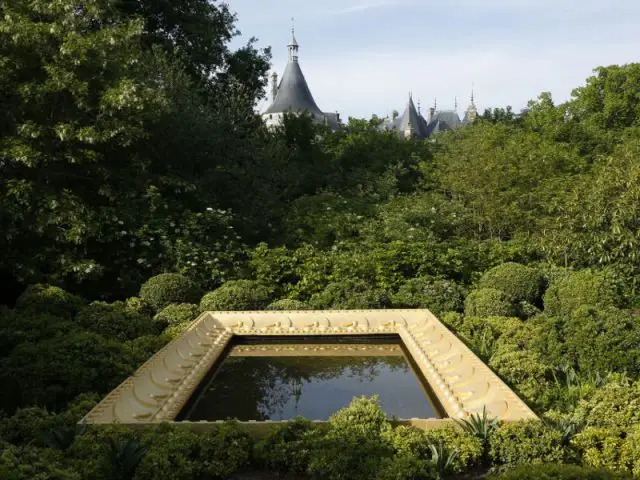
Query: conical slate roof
x=411 y=119
x=444 y=120
x=293 y=92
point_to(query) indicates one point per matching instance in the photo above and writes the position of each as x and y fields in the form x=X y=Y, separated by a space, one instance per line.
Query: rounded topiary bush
x=167 y=288
x=519 y=282
x=584 y=287
x=237 y=295
x=42 y=298
x=288 y=304
x=438 y=295
x=488 y=302
x=176 y=314
x=114 y=320
x=556 y=471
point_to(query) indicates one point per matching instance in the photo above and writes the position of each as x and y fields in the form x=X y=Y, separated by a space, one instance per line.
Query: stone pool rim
x=159 y=389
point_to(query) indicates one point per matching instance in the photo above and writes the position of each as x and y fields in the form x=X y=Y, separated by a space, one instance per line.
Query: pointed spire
x=471 y=93
x=455 y=104
x=435 y=103
x=293 y=44
x=419 y=107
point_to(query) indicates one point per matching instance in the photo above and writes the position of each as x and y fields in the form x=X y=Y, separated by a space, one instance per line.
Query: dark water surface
x=279 y=382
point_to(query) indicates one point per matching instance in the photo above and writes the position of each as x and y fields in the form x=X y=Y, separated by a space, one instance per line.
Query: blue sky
x=363 y=56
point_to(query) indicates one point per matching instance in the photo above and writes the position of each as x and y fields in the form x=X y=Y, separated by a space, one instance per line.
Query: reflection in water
x=279 y=382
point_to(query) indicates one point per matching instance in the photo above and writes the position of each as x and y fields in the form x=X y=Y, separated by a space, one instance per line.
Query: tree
x=93 y=190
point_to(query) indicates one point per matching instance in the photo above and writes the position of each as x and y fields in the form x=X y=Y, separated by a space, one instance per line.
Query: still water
x=282 y=381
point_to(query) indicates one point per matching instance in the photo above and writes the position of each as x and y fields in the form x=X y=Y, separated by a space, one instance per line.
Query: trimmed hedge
x=488 y=302
x=519 y=282
x=237 y=295
x=168 y=288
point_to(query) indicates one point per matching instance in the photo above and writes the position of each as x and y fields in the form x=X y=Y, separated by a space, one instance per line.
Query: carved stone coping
x=159 y=389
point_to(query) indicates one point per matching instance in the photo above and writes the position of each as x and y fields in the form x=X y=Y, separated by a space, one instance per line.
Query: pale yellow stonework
x=461 y=382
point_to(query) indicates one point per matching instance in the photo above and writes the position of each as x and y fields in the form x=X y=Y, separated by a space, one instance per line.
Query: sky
x=363 y=57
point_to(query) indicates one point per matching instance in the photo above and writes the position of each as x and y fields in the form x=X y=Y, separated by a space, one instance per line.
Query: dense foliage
x=132 y=163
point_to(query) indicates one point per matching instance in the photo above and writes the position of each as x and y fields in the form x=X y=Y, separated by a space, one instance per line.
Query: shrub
x=32 y=463
x=605 y=339
x=412 y=442
x=406 y=467
x=288 y=304
x=349 y=294
x=114 y=320
x=177 y=314
x=526 y=371
x=172 y=450
x=285 y=449
x=28 y=425
x=187 y=455
x=557 y=472
x=519 y=282
x=585 y=287
x=526 y=442
x=140 y=306
x=224 y=450
x=343 y=455
x=600 y=447
x=488 y=302
x=142 y=348
x=439 y=296
x=18 y=327
x=52 y=372
x=616 y=404
x=362 y=416
x=237 y=295
x=42 y=298
x=468 y=447
x=167 y=288
x=90 y=453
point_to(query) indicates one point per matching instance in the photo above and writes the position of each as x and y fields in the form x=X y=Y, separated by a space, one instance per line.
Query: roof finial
x=471 y=93
x=455 y=104
x=418 y=106
x=293 y=44
x=435 y=103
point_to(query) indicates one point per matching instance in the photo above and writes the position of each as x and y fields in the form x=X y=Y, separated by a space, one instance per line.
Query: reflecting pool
x=279 y=381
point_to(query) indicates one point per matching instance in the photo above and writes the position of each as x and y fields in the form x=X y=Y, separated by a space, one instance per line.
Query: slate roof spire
x=293 y=44
x=293 y=94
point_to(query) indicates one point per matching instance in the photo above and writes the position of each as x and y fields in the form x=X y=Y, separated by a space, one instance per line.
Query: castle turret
x=292 y=95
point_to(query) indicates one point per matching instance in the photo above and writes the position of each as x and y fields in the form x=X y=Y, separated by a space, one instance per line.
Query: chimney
x=274 y=85
x=432 y=111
